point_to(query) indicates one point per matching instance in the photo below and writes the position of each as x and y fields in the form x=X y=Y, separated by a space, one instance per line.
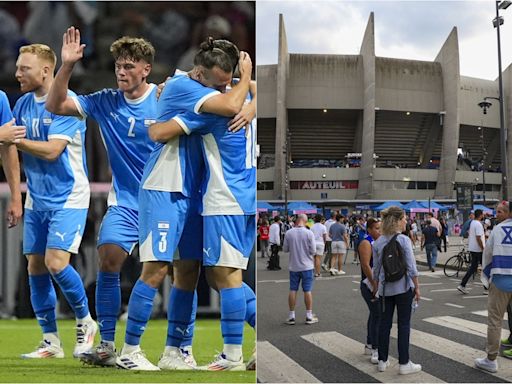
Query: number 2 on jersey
x=131 y=132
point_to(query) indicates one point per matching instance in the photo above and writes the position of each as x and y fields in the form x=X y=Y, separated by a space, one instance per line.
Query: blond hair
x=133 y=48
x=42 y=51
x=390 y=220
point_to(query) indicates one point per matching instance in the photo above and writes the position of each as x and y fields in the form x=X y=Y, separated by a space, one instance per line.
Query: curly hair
x=133 y=48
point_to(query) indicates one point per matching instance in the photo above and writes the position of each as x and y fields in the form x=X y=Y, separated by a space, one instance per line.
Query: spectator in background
x=264 y=234
x=328 y=242
x=275 y=242
x=444 y=232
x=320 y=233
x=476 y=245
x=10 y=38
x=429 y=242
x=300 y=242
x=339 y=236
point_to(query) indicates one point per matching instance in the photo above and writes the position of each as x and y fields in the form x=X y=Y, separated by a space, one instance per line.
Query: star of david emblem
x=508 y=235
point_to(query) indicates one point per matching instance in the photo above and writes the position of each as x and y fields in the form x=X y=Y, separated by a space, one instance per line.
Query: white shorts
x=320 y=247
x=339 y=247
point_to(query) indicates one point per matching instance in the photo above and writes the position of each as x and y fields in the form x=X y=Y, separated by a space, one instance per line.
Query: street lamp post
x=504 y=164
x=484 y=157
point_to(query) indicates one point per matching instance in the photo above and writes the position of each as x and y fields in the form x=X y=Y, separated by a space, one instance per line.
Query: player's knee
x=54 y=265
x=36 y=265
x=111 y=264
x=154 y=276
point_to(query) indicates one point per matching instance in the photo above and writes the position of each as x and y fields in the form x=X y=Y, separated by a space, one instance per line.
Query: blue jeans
x=372 y=325
x=403 y=303
x=431 y=255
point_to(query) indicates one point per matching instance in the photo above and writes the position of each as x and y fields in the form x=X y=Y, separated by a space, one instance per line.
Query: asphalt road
x=449 y=331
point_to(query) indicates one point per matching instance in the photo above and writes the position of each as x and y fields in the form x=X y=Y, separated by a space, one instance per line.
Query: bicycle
x=455 y=263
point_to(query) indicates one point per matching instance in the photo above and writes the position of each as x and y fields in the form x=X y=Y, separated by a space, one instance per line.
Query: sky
x=403 y=29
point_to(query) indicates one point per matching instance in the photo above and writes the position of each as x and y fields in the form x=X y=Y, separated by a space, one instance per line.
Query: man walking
x=275 y=242
x=339 y=236
x=300 y=242
x=497 y=277
x=429 y=242
x=476 y=244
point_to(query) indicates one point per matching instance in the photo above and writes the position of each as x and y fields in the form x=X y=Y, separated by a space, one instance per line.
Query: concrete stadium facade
x=399 y=115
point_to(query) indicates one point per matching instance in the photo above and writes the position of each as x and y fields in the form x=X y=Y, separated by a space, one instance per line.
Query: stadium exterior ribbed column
x=367 y=54
x=507 y=90
x=281 y=112
x=448 y=57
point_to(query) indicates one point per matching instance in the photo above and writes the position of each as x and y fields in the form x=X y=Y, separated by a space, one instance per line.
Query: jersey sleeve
x=87 y=105
x=183 y=94
x=5 y=109
x=64 y=127
x=192 y=123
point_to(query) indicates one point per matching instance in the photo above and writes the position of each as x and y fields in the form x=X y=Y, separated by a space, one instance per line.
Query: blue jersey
x=5 y=109
x=62 y=183
x=177 y=166
x=124 y=127
x=230 y=180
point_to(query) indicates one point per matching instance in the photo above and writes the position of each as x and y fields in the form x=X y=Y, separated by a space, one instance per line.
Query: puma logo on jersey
x=61 y=235
x=115 y=116
x=183 y=331
x=100 y=323
x=207 y=251
x=42 y=318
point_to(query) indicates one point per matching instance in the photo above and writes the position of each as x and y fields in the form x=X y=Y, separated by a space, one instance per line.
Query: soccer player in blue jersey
x=124 y=115
x=56 y=204
x=10 y=133
x=229 y=207
x=169 y=206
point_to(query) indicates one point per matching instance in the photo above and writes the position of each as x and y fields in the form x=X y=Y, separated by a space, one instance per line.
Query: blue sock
x=187 y=340
x=250 y=299
x=108 y=303
x=232 y=314
x=139 y=311
x=43 y=298
x=179 y=313
x=72 y=287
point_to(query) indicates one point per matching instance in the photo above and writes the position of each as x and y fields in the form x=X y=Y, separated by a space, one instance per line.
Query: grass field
x=21 y=336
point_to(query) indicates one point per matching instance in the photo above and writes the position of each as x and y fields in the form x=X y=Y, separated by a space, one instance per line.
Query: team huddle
x=183 y=163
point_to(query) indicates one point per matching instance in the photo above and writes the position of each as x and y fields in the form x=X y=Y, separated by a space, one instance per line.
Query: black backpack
x=393 y=261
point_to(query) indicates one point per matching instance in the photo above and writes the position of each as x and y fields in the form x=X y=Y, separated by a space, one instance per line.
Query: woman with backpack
x=395 y=269
x=369 y=288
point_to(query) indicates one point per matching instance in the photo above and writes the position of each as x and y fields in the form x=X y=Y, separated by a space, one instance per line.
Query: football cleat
x=174 y=360
x=135 y=361
x=221 y=363
x=45 y=350
x=84 y=338
x=103 y=355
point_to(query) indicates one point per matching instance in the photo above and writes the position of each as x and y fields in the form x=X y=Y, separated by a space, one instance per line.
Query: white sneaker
x=375 y=356
x=410 y=367
x=221 y=363
x=368 y=349
x=103 y=355
x=487 y=365
x=383 y=365
x=312 y=320
x=45 y=350
x=333 y=271
x=462 y=289
x=188 y=356
x=324 y=267
x=135 y=361
x=84 y=338
x=340 y=273
x=174 y=360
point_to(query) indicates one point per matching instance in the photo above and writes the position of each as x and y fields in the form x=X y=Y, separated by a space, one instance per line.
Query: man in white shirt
x=320 y=233
x=476 y=244
x=275 y=242
x=328 y=242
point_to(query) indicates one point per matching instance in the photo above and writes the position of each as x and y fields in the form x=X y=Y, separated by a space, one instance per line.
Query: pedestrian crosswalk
x=275 y=366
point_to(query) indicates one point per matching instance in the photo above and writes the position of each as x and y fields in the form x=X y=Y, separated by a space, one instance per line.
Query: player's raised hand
x=245 y=65
x=10 y=133
x=243 y=118
x=72 y=50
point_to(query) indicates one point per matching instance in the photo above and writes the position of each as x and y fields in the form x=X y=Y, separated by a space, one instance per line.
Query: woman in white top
x=320 y=232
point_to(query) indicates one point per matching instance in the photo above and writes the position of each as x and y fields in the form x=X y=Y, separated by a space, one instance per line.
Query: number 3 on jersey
x=162 y=244
x=131 y=131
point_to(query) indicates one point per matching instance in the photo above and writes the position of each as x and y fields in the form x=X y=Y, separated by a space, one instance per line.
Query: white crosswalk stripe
x=455 y=351
x=485 y=313
x=346 y=349
x=474 y=328
x=276 y=367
